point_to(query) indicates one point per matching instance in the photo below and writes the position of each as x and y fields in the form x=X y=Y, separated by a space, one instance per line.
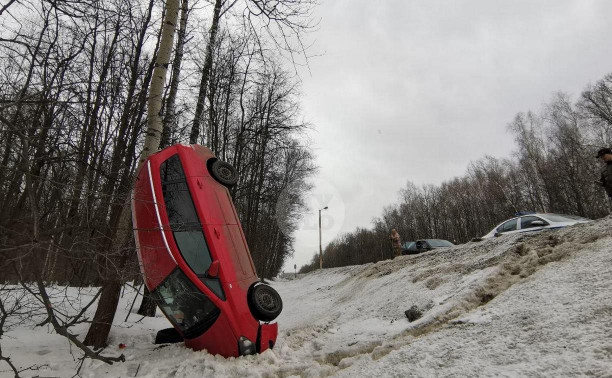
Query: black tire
x=264 y=302
x=224 y=172
x=168 y=336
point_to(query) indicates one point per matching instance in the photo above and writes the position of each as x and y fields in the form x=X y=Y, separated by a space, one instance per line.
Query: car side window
x=508 y=226
x=526 y=222
x=179 y=205
x=194 y=250
x=185 y=224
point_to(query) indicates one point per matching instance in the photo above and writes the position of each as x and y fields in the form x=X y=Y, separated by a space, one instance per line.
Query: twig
x=132 y=306
x=63 y=330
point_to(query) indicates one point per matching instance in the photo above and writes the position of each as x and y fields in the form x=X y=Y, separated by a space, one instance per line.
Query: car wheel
x=168 y=336
x=264 y=302
x=224 y=172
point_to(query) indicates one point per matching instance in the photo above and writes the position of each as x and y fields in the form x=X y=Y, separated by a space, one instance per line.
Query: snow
x=521 y=305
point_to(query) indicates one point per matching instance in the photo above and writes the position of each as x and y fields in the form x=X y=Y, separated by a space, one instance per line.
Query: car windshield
x=439 y=243
x=563 y=218
x=184 y=305
x=409 y=245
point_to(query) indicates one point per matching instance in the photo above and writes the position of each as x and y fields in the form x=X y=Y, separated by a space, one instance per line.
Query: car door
x=532 y=223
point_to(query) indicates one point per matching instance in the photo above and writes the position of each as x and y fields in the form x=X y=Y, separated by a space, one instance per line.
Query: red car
x=194 y=257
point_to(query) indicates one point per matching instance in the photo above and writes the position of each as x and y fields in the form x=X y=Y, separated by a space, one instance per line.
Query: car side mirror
x=497 y=234
x=213 y=269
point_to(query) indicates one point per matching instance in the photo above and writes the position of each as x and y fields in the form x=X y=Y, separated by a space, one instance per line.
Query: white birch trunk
x=154 y=120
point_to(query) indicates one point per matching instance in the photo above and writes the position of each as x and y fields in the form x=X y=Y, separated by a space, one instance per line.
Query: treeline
x=553 y=169
x=73 y=116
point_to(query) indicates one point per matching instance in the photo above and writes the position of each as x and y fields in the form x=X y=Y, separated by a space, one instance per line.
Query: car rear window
x=185 y=305
x=185 y=224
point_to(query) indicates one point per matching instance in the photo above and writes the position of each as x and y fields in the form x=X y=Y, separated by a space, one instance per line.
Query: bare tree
x=107 y=306
x=212 y=39
x=284 y=22
x=170 y=116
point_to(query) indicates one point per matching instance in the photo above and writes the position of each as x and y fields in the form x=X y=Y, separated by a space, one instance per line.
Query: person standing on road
x=605 y=154
x=396 y=243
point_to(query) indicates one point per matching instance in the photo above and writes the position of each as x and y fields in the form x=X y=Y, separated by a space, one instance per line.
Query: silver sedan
x=528 y=222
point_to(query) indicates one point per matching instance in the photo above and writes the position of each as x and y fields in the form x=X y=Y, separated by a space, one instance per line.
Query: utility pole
x=320 y=245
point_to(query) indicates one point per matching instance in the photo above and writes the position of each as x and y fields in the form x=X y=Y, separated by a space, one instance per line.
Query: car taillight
x=246 y=346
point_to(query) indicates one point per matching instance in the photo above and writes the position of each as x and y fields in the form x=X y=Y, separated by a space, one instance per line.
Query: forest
x=88 y=89
x=553 y=169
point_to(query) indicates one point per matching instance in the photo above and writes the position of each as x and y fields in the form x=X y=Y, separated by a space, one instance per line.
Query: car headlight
x=246 y=346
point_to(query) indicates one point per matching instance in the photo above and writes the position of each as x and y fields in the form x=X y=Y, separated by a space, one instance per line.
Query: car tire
x=265 y=302
x=168 y=336
x=224 y=173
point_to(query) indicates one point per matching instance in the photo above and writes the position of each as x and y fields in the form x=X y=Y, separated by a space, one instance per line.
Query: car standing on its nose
x=194 y=257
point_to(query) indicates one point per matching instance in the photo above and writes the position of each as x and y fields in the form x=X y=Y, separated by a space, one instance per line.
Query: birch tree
x=107 y=305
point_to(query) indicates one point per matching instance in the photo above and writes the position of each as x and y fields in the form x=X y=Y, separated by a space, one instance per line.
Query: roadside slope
x=554 y=275
x=533 y=304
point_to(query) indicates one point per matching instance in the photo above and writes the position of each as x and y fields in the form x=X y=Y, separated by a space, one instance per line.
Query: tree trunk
x=147 y=306
x=158 y=81
x=105 y=313
x=109 y=298
x=195 y=130
x=170 y=122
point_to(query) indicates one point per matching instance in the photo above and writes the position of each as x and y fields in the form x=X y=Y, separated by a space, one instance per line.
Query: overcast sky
x=416 y=90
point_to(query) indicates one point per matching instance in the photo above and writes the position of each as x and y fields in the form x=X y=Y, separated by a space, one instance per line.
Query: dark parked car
x=194 y=257
x=419 y=246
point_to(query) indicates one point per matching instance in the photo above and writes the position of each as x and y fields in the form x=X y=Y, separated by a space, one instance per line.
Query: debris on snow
x=413 y=313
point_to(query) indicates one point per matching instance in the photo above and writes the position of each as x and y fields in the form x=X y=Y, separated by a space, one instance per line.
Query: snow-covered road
x=521 y=305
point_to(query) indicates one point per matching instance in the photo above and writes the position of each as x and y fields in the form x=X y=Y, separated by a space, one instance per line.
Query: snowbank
x=531 y=304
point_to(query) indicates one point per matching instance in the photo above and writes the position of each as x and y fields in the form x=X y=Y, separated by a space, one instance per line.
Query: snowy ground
x=520 y=305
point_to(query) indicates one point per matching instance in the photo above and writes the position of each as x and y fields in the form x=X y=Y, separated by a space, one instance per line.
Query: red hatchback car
x=194 y=257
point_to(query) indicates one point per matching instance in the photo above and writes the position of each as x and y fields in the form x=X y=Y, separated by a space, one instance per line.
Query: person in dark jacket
x=605 y=154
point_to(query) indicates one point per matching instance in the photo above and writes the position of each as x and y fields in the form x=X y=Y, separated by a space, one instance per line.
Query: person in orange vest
x=396 y=243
